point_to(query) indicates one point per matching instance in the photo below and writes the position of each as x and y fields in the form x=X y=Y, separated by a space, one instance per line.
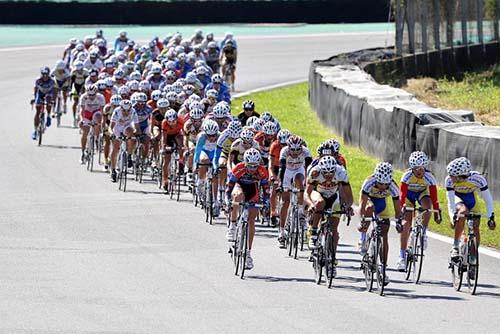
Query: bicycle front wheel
x=317 y=264
x=418 y=257
x=296 y=236
x=472 y=266
x=379 y=267
x=329 y=259
x=243 y=248
x=368 y=265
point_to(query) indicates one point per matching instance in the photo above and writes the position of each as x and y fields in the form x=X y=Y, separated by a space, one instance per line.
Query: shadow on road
x=62 y=147
x=279 y=279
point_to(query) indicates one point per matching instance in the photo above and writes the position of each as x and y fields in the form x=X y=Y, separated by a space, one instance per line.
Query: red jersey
x=172 y=131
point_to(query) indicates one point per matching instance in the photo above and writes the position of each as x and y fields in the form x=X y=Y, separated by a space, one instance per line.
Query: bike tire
x=41 y=127
x=235 y=251
x=473 y=250
x=178 y=183
x=90 y=153
x=329 y=259
x=379 y=268
x=317 y=265
x=244 y=248
x=124 y=171
x=368 y=265
x=296 y=237
x=457 y=275
x=418 y=257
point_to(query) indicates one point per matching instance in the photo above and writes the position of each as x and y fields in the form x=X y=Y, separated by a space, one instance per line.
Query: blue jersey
x=224 y=94
x=143 y=116
x=207 y=147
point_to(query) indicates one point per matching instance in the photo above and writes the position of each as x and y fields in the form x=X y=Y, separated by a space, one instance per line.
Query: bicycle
x=324 y=256
x=208 y=200
x=174 y=183
x=239 y=248
x=415 y=249
x=90 y=148
x=123 y=163
x=58 y=107
x=468 y=260
x=372 y=261
x=140 y=162
x=294 y=230
x=40 y=129
x=228 y=75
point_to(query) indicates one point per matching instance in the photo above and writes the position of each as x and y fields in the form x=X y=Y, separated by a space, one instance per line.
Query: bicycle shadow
x=61 y=147
x=279 y=279
x=403 y=294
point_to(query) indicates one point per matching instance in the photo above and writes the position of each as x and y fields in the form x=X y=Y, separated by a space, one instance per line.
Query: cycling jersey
x=89 y=64
x=413 y=189
x=274 y=153
x=239 y=148
x=45 y=87
x=143 y=115
x=327 y=188
x=465 y=189
x=242 y=117
x=224 y=144
x=123 y=120
x=172 y=131
x=61 y=78
x=92 y=103
x=249 y=182
x=156 y=82
x=297 y=162
x=264 y=145
x=379 y=197
x=203 y=145
x=191 y=131
x=78 y=77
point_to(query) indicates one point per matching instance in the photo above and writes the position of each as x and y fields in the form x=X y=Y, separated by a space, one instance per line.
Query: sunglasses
x=296 y=149
x=252 y=166
x=212 y=136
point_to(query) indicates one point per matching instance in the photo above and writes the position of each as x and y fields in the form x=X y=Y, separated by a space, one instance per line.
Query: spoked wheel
x=418 y=257
x=208 y=203
x=123 y=172
x=296 y=237
x=90 y=153
x=368 y=264
x=172 y=178
x=58 y=112
x=160 y=173
x=329 y=259
x=243 y=249
x=41 y=127
x=379 y=267
x=302 y=237
x=178 y=186
x=317 y=265
x=472 y=273
x=456 y=274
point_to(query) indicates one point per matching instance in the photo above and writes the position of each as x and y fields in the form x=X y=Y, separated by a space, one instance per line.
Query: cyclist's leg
x=252 y=214
x=385 y=229
x=166 y=164
x=459 y=224
x=405 y=233
x=202 y=172
x=114 y=152
x=39 y=105
x=237 y=197
x=85 y=131
x=146 y=140
x=319 y=204
x=97 y=119
x=222 y=172
x=179 y=139
x=107 y=145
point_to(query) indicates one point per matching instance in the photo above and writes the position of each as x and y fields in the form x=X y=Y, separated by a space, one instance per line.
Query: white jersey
x=90 y=65
x=295 y=163
x=122 y=121
x=327 y=188
x=92 y=104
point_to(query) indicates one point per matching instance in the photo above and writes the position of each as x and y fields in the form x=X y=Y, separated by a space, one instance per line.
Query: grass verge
x=478 y=92
x=291 y=106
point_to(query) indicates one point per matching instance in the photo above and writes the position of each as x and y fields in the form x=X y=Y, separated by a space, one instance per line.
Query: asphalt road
x=77 y=256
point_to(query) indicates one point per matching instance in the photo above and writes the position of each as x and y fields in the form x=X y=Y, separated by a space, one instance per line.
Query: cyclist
x=239 y=146
x=93 y=61
x=218 y=84
x=265 y=138
x=212 y=55
x=124 y=122
x=156 y=79
x=226 y=139
x=192 y=127
x=221 y=114
x=91 y=105
x=78 y=76
x=197 y=38
x=172 y=137
x=121 y=41
x=327 y=188
x=107 y=112
x=156 y=95
x=92 y=78
x=243 y=186
x=417 y=185
x=463 y=183
x=157 y=118
x=144 y=115
x=43 y=95
x=62 y=78
x=67 y=51
x=374 y=192
x=274 y=166
x=294 y=160
x=204 y=155
x=228 y=58
x=248 y=111
x=330 y=147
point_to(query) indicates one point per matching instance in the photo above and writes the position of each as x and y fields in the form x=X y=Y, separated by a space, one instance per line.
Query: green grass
x=479 y=92
x=291 y=106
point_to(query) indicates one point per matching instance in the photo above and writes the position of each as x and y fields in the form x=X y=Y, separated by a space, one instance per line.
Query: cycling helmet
x=251 y=121
x=216 y=78
x=194 y=98
x=195 y=105
x=123 y=90
x=162 y=103
x=101 y=85
x=80 y=47
x=189 y=89
x=220 y=110
x=144 y=86
x=73 y=41
x=115 y=100
x=78 y=65
x=133 y=85
x=191 y=77
x=45 y=70
x=126 y=104
x=134 y=98
x=181 y=81
x=327 y=164
x=168 y=89
x=258 y=125
x=136 y=75
x=60 y=65
x=196 y=113
x=212 y=93
x=234 y=129
x=210 y=127
x=294 y=142
x=334 y=145
x=92 y=90
x=170 y=65
x=123 y=33
x=201 y=70
x=283 y=136
x=172 y=97
x=109 y=82
x=142 y=97
x=182 y=56
x=266 y=116
x=171 y=115
x=119 y=74
x=251 y=157
x=100 y=43
x=109 y=63
x=249 y=105
x=269 y=128
x=178 y=87
x=418 y=159
x=156 y=69
x=246 y=135
x=212 y=45
x=459 y=167
x=181 y=97
x=383 y=173
x=156 y=95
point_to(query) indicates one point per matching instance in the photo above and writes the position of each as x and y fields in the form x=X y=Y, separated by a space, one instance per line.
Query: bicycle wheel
x=160 y=173
x=472 y=266
x=329 y=259
x=379 y=267
x=289 y=234
x=58 y=110
x=244 y=248
x=296 y=236
x=456 y=274
x=124 y=171
x=178 y=186
x=418 y=256
x=410 y=257
x=368 y=264
x=236 y=250
x=41 y=127
x=302 y=237
x=317 y=264
x=90 y=153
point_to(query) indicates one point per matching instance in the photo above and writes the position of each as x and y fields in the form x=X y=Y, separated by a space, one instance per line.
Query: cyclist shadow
x=406 y=294
x=279 y=279
x=486 y=293
x=62 y=147
x=144 y=192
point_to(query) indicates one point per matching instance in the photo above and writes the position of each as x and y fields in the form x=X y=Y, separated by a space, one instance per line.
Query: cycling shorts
x=381 y=208
x=41 y=98
x=90 y=116
x=250 y=192
x=413 y=197
x=290 y=175
x=62 y=84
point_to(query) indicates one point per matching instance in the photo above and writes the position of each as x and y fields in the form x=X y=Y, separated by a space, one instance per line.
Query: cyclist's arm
x=346 y=196
x=233 y=156
x=363 y=201
x=307 y=195
x=451 y=203
x=434 y=197
x=282 y=170
x=488 y=201
x=403 y=188
x=197 y=151
x=397 y=206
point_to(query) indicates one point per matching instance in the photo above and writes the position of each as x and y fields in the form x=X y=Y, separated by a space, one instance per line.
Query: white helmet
x=156 y=95
x=142 y=97
x=144 y=85
x=115 y=100
x=168 y=88
x=136 y=75
x=172 y=97
x=283 y=136
x=234 y=129
x=269 y=128
x=78 y=65
x=178 y=87
x=383 y=173
x=101 y=85
x=195 y=105
x=251 y=157
x=133 y=85
x=196 y=113
x=109 y=82
x=327 y=164
x=212 y=93
x=156 y=69
x=258 y=125
x=418 y=159
x=171 y=115
x=246 y=135
x=210 y=127
x=266 y=116
x=294 y=142
x=60 y=65
x=194 y=98
x=126 y=104
x=251 y=121
x=92 y=90
x=459 y=167
x=220 y=110
x=134 y=98
x=123 y=90
x=162 y=103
